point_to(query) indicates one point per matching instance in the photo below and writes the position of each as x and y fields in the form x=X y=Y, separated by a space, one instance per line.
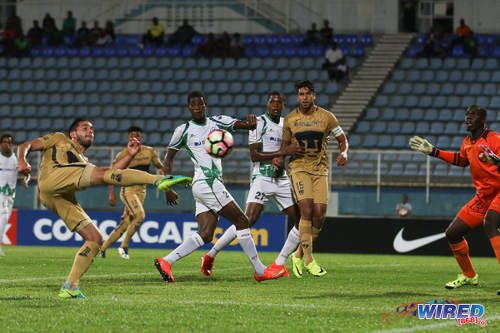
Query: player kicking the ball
x=211 y=196
x=479 y=150
x=264 y=143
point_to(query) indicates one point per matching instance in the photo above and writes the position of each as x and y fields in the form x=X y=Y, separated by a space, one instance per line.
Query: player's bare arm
x=343 y=147
x=171 y=196
x=249 y=124
x=23 y=150
x=257 y=155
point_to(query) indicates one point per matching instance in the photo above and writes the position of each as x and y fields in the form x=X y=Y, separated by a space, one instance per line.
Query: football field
x=360 y=293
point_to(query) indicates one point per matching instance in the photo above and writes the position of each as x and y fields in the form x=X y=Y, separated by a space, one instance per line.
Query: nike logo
x=402 y=245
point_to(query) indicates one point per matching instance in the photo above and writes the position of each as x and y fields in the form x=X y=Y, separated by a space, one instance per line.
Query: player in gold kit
x=305 y=134
x=64 y=170
x=131 y=196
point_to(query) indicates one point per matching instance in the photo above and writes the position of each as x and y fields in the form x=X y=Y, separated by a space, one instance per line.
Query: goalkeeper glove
x=489 y=155
x=420 y=144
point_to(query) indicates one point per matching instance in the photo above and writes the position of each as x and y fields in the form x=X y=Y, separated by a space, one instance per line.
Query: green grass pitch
x=129 y=296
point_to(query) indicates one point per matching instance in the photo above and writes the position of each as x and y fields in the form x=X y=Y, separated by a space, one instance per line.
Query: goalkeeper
x=479 y=150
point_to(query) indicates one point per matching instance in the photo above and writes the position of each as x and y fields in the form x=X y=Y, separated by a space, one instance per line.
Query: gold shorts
x=56 y=191
x=133 y=199
x=309 y=186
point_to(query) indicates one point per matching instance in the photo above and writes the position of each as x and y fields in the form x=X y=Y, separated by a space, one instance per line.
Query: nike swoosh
x=402 y=245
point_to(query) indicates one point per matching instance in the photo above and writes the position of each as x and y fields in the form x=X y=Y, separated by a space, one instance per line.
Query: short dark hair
x=195 y=94
x=277 y=93
x=134 y=129
x=75 y=123
x=304 y=84
x=481 y=111
x=6 y=135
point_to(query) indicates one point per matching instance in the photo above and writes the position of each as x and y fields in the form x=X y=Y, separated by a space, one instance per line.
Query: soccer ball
x=219 y=143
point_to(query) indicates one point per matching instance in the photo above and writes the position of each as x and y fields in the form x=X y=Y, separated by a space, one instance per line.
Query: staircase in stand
x=369 y=78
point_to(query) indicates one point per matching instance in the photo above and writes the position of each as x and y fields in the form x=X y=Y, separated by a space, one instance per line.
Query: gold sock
x=128 y=177
x=82 y=262
x=305 y=228
x=117 y=233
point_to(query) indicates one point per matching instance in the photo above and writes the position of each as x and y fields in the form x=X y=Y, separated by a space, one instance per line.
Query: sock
x=461 y=252
x=113 y=237
x=82 y=262
x=248 y=246
x=4 y=218
x=128 y=177
x=305 y=227
x=227 y=237
x=495 y=244
x=291 y=243
x=133 y=225
x=189 y=245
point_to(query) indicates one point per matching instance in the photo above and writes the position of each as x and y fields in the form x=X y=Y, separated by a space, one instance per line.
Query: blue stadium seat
x=405 y=88
x=419 y=88
x=371 y=113
x=408 y=128
x=433 y=88
x=461 y=89
x=378 y=127
x=451 y=128
x=387 y=114
x=453 y=102
x=447 y=89
x=402 y=114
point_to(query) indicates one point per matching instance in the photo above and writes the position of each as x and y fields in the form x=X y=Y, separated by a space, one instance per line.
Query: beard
x=85 y=142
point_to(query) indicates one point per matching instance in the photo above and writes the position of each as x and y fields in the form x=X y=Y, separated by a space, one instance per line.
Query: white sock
x=248 y=246
x=4 y=218
x=291 y=243
x=189 y=245
x=227 y=237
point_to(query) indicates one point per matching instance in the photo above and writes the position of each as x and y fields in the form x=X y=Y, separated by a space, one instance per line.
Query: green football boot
x=462 y=280
x=66 y=293
x=297 y=266
x=168 y=181
x=314 y=269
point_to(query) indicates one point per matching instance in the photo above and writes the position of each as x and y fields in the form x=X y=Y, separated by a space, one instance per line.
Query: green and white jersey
x=192 y=136
x=267 y=133
x=8 y=175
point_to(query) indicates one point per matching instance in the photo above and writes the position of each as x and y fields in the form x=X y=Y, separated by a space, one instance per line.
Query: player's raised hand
x=420 y=144
x=251 y=121
x=133 y=146
x=489 y=155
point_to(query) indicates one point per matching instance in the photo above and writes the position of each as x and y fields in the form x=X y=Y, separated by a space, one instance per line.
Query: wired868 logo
x=463 y=313
x=439 y=309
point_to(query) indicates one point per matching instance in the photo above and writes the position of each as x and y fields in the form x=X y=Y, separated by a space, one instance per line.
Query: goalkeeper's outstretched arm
x=420 y=144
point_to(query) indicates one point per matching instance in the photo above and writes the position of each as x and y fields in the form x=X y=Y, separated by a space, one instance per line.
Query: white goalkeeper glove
x=420 y=144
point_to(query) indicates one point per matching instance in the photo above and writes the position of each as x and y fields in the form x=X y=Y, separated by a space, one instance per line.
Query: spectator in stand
x=53 y=34
x=155 y=34
x=207 y=49
x=183 y=35
x=96 y=33
x=48 y=22
x=223 y=48
x=13 y=30
x=69 y=24
x=435 y=45
x=404 y=208
x=326 y=32
x=82 y=35
x=237 y=49
x=465 y=37
x=35 y=34
x=335 y=63
x=313 y=36
x=109 y=29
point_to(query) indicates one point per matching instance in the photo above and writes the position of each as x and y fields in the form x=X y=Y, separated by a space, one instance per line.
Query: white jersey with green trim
x=8 y=175
x=192 y=136
x=268 y=134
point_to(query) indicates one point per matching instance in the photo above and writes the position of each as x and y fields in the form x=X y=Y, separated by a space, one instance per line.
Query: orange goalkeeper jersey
x=485 y=175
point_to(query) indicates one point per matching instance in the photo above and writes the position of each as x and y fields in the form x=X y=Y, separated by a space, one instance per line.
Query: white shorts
x=210 y=198
x=264 y=187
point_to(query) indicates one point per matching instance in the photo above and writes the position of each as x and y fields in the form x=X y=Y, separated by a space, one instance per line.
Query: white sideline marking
x=434 y=326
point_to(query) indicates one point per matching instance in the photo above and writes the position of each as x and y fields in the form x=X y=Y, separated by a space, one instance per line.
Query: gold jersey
x=311 y=132
x=59 y=151
x=142 y=161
